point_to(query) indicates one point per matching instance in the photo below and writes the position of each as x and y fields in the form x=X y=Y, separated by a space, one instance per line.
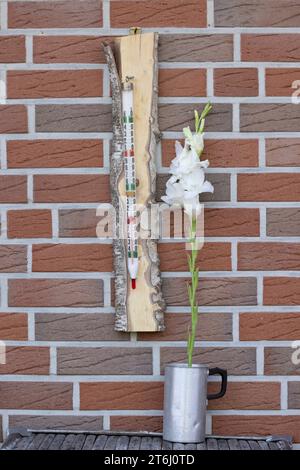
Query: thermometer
x=130 y=181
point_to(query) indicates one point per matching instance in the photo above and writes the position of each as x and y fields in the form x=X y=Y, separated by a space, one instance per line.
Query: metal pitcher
x=185 y=398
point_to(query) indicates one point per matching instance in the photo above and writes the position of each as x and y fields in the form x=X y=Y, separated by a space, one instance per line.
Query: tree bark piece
x=139 y=309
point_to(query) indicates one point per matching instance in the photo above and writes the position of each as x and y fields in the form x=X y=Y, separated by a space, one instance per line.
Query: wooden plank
x=122 y=443
x=146 y=443
x=111 y=443
x=273 y=445
x=156 y=443
x=167 y=445
x=68 y=442
x=190 y=446
x=178 y=446
x=23 y=443
x=234 y=444
x=79 y=441
x=254 y=444
x=212 y=443
x=202 y=446
x=263 y=445
x=57 y=442
x=142 y=308
x=36 y=441
x=100 y=442
x=47 y=442
x=11 y=441
x=134 y=443
x=223 y=444
x=244 y=444
x=89 y=442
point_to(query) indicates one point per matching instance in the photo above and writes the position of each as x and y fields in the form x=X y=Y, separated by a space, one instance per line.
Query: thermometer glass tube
x=130 y=181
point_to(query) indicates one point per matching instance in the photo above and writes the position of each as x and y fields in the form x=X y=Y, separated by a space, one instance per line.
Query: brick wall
x=66 y=367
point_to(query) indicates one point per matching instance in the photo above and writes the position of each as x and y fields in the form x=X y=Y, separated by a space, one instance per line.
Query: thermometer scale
x=130 y=182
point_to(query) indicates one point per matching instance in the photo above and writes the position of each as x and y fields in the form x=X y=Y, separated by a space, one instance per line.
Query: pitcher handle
x=223 y=374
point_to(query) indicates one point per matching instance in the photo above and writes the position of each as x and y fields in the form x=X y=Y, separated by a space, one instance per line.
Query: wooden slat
x=79 y=441
x=178 y=446
x=134 y=443
x=273 y=445
x=234 y=444
x=47 y=441
x=122 y=443
x=223 y=444
x=57 y=442
x=89 y=442
x=263 y=445
x=68 y=442
x=36 y=441
x=190 y=446
x=202 y=446
x=212 y=444
x=254 y=445
x=100 y=442
x=244 y=444
x=111 y=443
x=156 y=443
x=166 y=445
x=146 y=443
x=23 y=443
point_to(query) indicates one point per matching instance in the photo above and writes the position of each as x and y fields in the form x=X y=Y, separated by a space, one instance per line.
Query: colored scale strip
x=130 y=181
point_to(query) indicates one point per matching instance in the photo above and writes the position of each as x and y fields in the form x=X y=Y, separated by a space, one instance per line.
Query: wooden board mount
x=142 y=308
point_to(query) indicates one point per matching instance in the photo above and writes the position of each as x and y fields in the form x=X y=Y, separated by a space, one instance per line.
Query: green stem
x=192 y=290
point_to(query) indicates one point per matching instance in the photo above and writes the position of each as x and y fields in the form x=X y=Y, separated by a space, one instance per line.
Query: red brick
x=158 y=13
x=78 y=153
x=256 y=13
x=281 y=290
x=182 y=82
x=211 y=327
x=265 y=187
x=266 y=117
x=80 y=327
x=59 y=422
x=236 y=82
x=71 y=258
x=12 y=49
x=237 y=425
x=121 y=396
x=279 y=361
x=261 y=326
x=55 y=293
x=13 y=119
x=226 y=153
x=246 y=396
x=237 y=361
x=69 y=49
x=136 y=423
x=35 y=223
x=173 y=117
x=55 y=14
x=54 y=84
x=270 y=47
x=71 y=188
x=73 y=118
x=283 y=222
x=78 y=223
x=212 y=291
x=212 y=257
x=268 y=256
x=13 y=326
x=283 y=152
x=279 y=81
x=104 y=361
x=26 y=360
x=195 y=48
x=36 y=395
x=229 y=222
x=13 y=258
x=13 y=189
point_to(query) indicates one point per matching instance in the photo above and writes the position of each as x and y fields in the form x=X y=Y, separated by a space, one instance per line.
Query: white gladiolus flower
x=188 y=177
